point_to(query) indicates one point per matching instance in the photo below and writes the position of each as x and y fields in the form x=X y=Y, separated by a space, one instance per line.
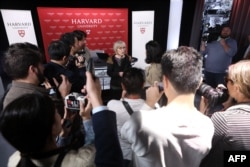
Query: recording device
x=72 y=101
x=73 y=58
x=90 y=68
x=80 y=53
x=214 y=96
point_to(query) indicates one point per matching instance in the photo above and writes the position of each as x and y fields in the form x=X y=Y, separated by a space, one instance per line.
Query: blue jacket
x=108 y=150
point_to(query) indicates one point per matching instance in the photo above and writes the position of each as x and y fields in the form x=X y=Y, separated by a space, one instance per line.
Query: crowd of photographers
x=52 y=125
x=65 y=123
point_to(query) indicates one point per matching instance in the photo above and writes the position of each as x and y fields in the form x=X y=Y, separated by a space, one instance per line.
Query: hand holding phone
x=90 y=68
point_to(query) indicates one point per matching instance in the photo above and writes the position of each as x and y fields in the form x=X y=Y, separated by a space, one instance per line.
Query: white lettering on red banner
x=103 y=26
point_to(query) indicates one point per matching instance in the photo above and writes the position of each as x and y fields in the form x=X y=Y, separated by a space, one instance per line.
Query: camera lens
x=214 y=96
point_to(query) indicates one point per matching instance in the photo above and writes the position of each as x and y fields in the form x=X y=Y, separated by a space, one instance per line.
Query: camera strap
x=128 y=108
x=60 y=158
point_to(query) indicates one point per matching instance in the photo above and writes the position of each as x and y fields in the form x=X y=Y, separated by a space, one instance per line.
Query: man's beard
x=224 y=36
x=40 y=76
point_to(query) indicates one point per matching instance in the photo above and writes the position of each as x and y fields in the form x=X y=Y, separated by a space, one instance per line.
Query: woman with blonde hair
x=232 y=127
x=116 y=65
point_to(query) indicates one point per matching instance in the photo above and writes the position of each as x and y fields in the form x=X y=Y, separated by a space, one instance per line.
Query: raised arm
x=108 y=151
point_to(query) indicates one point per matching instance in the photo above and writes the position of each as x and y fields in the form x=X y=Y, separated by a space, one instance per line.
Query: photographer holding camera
x=177 y=134
x=23 y=62
x=35 y=138
x=75 y=60
x=77 y=125
x=59 y=53
x=219 y=56
x=214 y=97
x=232 y=126
x=83 y=53
x=81 y=130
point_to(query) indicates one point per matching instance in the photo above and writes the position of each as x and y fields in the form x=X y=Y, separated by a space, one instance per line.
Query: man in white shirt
x=177 y=134
x=133 y=80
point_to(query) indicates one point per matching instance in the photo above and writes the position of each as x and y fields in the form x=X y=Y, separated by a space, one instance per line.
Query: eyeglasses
x=227 y=79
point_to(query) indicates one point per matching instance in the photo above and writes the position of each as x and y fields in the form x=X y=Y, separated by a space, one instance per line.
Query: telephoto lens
x=214 y=96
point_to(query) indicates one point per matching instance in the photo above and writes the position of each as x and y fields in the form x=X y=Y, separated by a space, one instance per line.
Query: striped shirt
x=232 y=132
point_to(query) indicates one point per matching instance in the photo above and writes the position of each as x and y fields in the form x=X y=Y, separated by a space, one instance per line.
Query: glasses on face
x=227 y=79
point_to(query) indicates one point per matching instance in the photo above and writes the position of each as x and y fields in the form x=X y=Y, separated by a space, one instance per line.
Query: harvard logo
x=142 y=29
x=88 y=31
x=21 y=33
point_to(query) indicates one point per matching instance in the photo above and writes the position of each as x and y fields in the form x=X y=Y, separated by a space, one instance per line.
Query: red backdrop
x=103 y=26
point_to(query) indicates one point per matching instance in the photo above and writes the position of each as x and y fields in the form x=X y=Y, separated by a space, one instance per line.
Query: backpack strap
x=60 y=159
x=128 y=108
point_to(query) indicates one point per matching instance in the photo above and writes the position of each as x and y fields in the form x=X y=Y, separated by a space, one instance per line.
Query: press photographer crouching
x=214 y=97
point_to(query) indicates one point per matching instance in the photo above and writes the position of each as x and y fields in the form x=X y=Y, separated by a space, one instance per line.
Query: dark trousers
x=213 y=79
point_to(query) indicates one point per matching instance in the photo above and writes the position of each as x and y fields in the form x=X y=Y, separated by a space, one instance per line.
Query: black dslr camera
x=214 y=96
